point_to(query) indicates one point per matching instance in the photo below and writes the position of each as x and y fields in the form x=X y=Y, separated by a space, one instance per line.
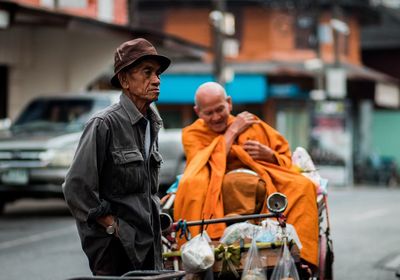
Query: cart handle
x=276 y=204
x=234 y=219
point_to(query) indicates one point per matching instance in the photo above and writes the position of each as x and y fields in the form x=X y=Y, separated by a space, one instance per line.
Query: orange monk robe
x=199 y=193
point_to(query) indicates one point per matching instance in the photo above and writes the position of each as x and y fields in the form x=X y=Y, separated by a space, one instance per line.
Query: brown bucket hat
x=133 y=52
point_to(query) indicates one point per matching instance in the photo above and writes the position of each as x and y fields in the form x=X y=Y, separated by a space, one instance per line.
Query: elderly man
x=112 y=183
x=233 y=163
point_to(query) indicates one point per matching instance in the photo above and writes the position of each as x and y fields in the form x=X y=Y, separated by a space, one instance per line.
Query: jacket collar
x=134 y=114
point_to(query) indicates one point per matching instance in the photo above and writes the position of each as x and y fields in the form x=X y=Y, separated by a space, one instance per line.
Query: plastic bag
x=302 y=160
x=286 y=267
x=267 y=233
x=197 y=254
x=238 y=231
x=253 y=269
x=271 y=232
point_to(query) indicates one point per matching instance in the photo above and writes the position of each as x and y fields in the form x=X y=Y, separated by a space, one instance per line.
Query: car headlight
x=58 y=157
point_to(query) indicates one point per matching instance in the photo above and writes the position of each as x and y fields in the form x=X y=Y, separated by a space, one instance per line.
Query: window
x=305 y=35
x=47 y=3
x=76 y=4
x=106 y=10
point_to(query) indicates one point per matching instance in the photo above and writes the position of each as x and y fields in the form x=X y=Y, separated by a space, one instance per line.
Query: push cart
x=270 y=252
x=276 y=204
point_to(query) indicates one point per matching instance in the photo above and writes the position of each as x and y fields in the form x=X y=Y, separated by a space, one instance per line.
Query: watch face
x=110 y=229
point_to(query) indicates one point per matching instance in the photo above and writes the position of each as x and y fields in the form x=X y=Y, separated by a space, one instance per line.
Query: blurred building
x=296 y=64
x=112 y=11
x=61 y=47
x=380 y=45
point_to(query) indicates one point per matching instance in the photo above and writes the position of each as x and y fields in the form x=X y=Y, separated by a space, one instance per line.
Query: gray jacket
x=110 y=175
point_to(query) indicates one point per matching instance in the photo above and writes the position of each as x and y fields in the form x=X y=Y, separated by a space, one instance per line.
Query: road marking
x=369 y=215
x=36 y=237
x=393 y=264
x=390 y=262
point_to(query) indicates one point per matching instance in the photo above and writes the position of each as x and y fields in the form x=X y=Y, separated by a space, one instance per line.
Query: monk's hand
x=242 y=122
x=259 y=151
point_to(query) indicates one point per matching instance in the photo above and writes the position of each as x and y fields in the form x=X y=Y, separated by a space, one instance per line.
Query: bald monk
x=233 y=164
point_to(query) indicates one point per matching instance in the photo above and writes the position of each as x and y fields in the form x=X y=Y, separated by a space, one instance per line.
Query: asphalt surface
x=39 y=241
x=366 y=232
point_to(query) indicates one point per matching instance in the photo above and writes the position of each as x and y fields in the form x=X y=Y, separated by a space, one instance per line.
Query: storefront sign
x=387 y=95
x=336 y=85
x=331 y=141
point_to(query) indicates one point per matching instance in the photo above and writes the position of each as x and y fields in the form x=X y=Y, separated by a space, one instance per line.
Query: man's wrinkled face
x=215 y=110
x=142 y=82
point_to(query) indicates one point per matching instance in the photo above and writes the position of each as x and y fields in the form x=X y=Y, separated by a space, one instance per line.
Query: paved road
x=38 y=240
x=366 y=232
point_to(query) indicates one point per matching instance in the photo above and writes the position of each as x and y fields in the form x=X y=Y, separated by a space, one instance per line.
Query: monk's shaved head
x=213 y=106
x=208 y=90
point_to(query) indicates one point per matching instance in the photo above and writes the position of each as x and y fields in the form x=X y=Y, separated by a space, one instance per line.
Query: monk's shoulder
x=197 y=126
x=267 y=127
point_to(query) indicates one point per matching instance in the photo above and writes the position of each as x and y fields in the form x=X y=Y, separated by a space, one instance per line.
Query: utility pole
x=133 y=13
x=319 y=79
x=217 y=22
x=336 y=13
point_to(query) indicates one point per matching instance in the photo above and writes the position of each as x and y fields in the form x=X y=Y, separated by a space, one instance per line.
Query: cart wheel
x=325 y=258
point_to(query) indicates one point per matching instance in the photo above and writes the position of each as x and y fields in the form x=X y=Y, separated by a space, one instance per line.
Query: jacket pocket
x=155 y=164
x=129 y=171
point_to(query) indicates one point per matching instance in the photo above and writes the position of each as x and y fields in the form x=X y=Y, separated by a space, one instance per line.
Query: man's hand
x=242 y=122
x=259 y=151
x=106 y=221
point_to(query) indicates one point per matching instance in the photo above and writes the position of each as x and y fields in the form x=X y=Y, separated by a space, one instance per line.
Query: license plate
x=15 y=177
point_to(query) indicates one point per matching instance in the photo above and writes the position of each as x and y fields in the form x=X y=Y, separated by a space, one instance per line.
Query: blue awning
x=291 y=91
x=180 y=88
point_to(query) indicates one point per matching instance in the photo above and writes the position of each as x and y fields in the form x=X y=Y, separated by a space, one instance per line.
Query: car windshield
x=57 y=114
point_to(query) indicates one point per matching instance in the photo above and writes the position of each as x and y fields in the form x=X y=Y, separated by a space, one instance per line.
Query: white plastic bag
x=197 y=254
x=302 y=160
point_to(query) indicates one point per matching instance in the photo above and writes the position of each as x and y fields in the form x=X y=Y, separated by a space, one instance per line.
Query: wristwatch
x=111 y=228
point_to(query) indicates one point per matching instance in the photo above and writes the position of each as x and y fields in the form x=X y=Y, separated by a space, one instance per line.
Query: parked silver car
x=37 y=149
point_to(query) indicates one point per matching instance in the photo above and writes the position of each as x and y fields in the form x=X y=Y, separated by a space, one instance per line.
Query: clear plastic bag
x=253 y=269
x=286 y=267
x=238 y=231
x=197 y=254
x=267 y=233
x=271 y=232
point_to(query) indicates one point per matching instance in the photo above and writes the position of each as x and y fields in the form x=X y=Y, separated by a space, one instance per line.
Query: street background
x=324 y=73
x=38 y=240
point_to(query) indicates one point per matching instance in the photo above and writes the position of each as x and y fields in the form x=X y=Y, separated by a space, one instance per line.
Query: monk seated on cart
x=233 y=164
